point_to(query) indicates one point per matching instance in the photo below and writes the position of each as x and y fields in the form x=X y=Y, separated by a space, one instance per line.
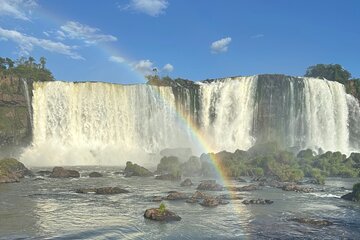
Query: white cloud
x=27 y=43
x=90 y=35
x=116 y=59
x=260 y=35
x=221 y=45
x=19 y=9
x=151 y=7
x=168 y=68
x=145 y=67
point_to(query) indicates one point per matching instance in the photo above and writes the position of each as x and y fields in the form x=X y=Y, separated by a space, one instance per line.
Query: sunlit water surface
x=50 y=209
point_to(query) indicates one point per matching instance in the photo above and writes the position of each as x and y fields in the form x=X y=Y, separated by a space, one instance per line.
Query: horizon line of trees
x=27 y=68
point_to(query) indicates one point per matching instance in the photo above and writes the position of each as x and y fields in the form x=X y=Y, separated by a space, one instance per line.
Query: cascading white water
x=226 y=109
x=326 y=115
x=101 y=123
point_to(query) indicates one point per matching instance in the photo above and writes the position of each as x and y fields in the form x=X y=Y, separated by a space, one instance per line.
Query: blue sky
x=120 y=41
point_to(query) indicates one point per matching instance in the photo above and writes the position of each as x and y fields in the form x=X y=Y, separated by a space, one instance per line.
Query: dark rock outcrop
x=296 y=188
x=313 y=222
x=186 y=183
x=210 y=185
x=354 y=195
x=132 y=169
x=258 y=201
x=60 y=172
x=157 y=215
x=102 y=191
x=12 y=170
x=176 y=196
x=95 y=174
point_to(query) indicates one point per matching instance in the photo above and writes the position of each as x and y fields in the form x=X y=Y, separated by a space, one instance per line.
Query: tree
x=42 y=62
x=10 y=63
x=332 y=72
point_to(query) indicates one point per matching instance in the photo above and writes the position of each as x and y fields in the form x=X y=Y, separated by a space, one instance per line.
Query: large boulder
x=210 y=185
x=60 y=172
x=354 y=195
x=210 y=202
x=12 y=170
x=176 y=196
x=158 y=215
x=133 y=169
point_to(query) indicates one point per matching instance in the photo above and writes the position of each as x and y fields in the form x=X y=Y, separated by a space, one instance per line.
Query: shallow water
x=50 y=209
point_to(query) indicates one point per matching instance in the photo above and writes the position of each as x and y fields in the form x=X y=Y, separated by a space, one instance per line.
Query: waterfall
x=101 y=123
x=28 y=101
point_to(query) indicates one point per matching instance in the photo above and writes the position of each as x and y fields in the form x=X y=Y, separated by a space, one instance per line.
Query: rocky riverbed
x=52 y=207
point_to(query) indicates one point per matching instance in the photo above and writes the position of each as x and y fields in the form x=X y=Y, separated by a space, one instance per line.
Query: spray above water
x=100 y=123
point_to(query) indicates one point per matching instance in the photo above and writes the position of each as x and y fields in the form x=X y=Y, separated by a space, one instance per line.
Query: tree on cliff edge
x=332 y=72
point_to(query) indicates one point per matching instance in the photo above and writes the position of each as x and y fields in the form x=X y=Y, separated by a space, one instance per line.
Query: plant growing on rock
x=162 y=209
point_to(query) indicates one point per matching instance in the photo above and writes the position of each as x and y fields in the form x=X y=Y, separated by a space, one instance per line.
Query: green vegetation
x=335 y=72
x=11 y=165
x=162 y=209
x=137 y=170
x=26 y=68
x=268 y=159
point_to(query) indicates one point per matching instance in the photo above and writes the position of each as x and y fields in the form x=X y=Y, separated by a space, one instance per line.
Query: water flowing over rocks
x=258 y=201
x=60 y=172
x=289 y=109
x=168 y=177
x=157 y=215
x=102 y=191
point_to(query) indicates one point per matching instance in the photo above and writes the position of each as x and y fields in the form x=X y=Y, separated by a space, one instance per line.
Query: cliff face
x=15 y=126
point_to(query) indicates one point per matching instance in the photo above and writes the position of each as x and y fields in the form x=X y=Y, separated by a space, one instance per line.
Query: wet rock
x=210 y=185
x=251 y=187
x=313 y=222
x=186 y=183
x=132 y=169
x=157 y=199
x=157 y=215
x=176 y=196
x=12 y=170
x=258 y=201
x=296 y=188
x=110 y=190
x=349 y=197
x=169 y=177
x=95 y=174
x=210 y=202
x=102 y=191
x=118 y=173
x=199 y=195
x=86 y=190
x=44 y=173
x=60 y=172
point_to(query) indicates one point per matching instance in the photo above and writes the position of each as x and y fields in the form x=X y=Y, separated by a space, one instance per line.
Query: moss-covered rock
x=133 y=169
x=12 y=170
